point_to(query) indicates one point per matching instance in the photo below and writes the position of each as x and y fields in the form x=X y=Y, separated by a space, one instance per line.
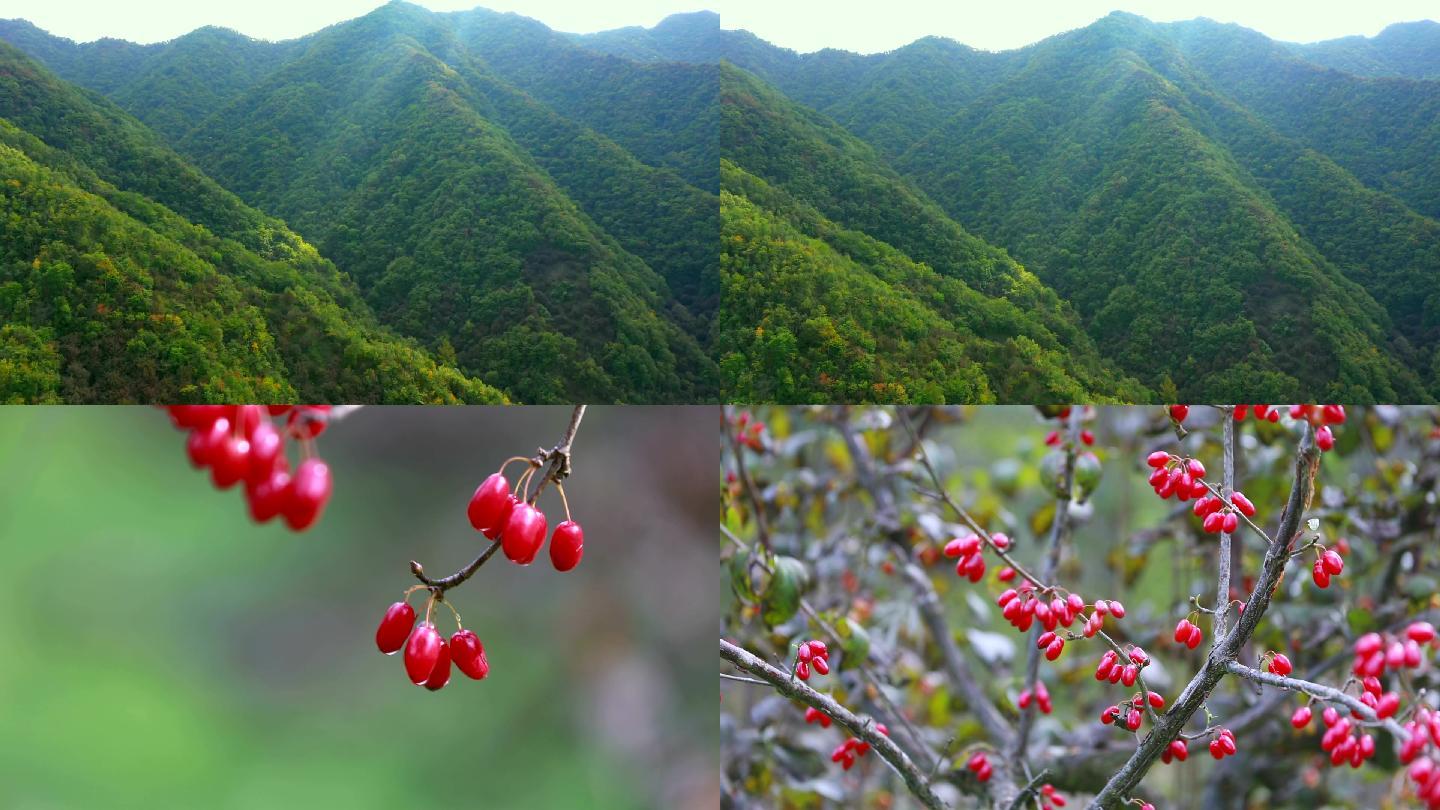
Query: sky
x=866 y=26
x=158 y=20
x=871 y=26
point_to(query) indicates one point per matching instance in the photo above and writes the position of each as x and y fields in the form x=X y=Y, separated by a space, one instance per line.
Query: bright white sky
x=805 y=25
x=159 y=20
x=870 y=26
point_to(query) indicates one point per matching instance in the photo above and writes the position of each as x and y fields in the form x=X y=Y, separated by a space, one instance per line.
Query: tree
x=1162 y=621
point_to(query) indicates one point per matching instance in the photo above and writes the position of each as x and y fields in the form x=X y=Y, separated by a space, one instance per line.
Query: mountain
x=686 y=37
x=560 y=250
x=126 y=275
x=1408 y=50
x=1208 y=207
x=842 y=282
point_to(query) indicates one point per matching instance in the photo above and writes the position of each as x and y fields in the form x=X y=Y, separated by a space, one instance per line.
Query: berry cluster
x=1181 y=478
x=846 y=752
x=500 y=514
x=1223 y=745
x=750 y=432
x=1050 y=798
x=969 y=551
x=1061 y=413
x=1343 y=741
x=1218 y=517
x=1114 y=669
x=1262 y=413
x=1321 y=417
x=242 y=443
x=1423 y=771
x=814 y=715
x=1131 y=712
x=1178 y=750
x=1022 y=608
x=428 y=655
x=811 y=655
x=1040 y=697
x=1328 y=563
x=1187 y=633
x=980 y=766
x=1377 y=652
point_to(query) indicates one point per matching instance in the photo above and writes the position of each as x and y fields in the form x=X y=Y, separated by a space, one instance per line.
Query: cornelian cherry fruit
x=395 y=628
x=567 y=545
x=469 y=654
x=422 y=653
x=490 y=505
x=524 y=533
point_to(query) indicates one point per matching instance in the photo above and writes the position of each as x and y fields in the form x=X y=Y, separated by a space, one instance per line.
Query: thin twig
x=1222 y=595
x=558 y=457
x=863 y=728
x=1058 y=531
x=1323 y=692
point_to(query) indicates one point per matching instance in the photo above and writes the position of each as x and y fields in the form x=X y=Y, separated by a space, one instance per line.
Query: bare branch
x=1059 y=530
x=863 y=728
x=1323 y=692
x=1227 y=487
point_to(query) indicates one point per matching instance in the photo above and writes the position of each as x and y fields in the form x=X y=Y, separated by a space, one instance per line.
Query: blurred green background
x=157 y=649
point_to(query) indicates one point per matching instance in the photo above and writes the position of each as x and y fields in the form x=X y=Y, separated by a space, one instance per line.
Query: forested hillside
x=843 y=282
x=1227 y=219
x=475 y=193
x=127 y=276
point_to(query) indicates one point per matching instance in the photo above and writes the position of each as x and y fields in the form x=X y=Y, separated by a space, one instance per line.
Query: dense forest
x=1197 y=208
x=533 y=212
x=127 y=276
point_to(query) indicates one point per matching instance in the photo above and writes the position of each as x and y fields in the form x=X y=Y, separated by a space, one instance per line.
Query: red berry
x=1280 y=664
x=308 y=494
x=802 y=671
x=395 y=628
x=1158 y=459
x=567 y=545
x=1243 y=504
x=1421 y=632
x=229 y=462
x=524 y=533
x=490 y=505
x=440 y=675
x=821 y=665
x=266 y=452
x=268 y=498
x=469 y=654
x=196 y=416
x=1179 y=412
x=203 y=442
x=1301 y=717
x=422 y=653
x=1320 y=575
x=1230 y=523
x=1324 y=439
x=1333 y=562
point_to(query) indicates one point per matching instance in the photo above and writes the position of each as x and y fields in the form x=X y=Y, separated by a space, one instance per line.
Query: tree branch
x=1216 y=665
x=927 y=601
x=863 y=728
x=1323 y=692
x=558 y=457
x=1059 y=530
x=1227 y=487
